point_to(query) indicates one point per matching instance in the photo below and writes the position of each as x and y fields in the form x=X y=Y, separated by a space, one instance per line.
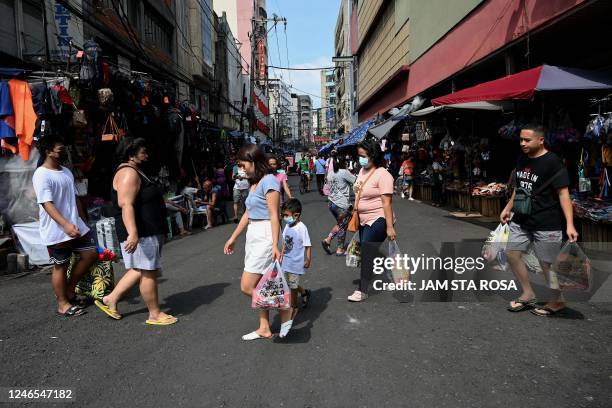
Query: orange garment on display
x=24 y=117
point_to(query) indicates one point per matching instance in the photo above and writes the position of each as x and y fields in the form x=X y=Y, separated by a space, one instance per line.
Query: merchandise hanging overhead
x=524 y=84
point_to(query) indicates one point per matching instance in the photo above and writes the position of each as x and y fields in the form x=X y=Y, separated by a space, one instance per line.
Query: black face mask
x=62 y=156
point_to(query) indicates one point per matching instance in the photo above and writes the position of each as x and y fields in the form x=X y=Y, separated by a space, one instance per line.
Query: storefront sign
x=62 y=28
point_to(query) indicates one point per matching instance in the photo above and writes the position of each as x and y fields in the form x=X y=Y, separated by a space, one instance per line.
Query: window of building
x=7 y=27
x=157 y=31
x=33 y=29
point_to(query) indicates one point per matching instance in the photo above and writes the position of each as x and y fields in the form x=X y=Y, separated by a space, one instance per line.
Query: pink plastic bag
x=272 y=291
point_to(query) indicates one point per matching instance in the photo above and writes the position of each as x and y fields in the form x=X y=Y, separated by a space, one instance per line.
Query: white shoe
x=403 y=195
x=254 y=336
x=410 y=199
x=357 y=296
x=284 y=330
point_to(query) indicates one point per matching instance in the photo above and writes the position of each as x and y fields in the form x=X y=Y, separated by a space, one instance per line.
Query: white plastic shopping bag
x=272 y=291
x=399 y=275
x=496 y=243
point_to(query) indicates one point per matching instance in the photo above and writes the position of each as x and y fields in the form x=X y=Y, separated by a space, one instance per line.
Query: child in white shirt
x=296 y=256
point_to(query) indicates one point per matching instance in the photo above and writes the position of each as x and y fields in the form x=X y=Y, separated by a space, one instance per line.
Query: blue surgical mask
x=289 y=220
x=363 y=161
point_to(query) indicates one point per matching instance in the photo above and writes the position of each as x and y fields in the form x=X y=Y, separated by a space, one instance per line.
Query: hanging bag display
x=110 y=132
x=523 y=199
x=105 y=97
x=79 y=120
x=353 y=224
x=584 y=184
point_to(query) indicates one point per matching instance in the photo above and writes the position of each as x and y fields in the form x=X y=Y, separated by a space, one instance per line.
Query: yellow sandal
x=163 y=322
x=109 y=312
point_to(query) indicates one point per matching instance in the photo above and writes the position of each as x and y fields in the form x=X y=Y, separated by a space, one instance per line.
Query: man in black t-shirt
x=541 y=174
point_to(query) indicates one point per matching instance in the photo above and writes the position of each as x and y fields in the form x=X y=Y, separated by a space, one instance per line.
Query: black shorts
x=59 y=254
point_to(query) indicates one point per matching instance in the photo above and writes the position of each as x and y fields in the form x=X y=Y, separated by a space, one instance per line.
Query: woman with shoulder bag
x=373 y=211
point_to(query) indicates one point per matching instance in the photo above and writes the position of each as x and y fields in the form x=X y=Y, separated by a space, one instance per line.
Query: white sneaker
x=357 y=296
x=403 y=195
x=285 y=327
x=410 y=199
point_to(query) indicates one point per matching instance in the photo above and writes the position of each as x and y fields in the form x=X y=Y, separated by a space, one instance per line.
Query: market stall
x=564 y=99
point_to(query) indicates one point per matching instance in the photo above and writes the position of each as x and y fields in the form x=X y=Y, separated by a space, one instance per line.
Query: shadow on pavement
x=185 y=303
x=301 y=333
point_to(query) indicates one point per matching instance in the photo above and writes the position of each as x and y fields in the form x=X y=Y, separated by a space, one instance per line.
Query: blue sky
x=310 y=39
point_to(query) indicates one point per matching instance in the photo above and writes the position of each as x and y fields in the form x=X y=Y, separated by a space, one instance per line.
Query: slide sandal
x=73 y=311
x=109 y=312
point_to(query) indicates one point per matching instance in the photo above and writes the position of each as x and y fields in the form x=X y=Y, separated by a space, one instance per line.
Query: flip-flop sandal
x=548 y=312
x=109 y=312
x=254 y=336
x=285 y=327
x=73 y=311
x=523 y=305
x=166 y=321
x=326 y=247
x=306 y=298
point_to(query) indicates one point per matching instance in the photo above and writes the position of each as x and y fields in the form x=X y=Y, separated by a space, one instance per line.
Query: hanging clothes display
x=24 y=117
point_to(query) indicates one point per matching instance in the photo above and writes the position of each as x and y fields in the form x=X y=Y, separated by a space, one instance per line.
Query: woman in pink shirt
x=281 y=177
x=375 y=189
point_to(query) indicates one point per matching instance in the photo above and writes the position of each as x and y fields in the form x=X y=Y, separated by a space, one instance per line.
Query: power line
x=302 y=69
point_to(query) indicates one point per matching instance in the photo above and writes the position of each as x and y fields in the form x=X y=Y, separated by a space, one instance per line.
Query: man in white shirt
x=62 y=228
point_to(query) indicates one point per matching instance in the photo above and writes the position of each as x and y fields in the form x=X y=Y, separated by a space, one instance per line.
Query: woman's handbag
x=110 y=132
x=353 y=224
x=78 y=118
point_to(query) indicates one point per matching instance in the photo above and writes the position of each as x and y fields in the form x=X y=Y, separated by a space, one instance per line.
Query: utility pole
x=258 y=31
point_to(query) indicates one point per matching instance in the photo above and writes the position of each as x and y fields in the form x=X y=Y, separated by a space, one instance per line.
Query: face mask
x=281 y=171
x=62 y=156
x=363 y=161
x=289 y=220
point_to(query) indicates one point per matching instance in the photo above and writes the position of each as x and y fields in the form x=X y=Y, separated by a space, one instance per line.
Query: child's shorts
x=293 y=280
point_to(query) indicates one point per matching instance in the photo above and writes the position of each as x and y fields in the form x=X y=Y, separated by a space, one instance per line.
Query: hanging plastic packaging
x=353 y=253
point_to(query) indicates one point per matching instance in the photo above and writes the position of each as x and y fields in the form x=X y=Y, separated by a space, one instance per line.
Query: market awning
x=523 y=85
x=490 y=106
x=382 y=129
x=358 y=134
x=328 y=147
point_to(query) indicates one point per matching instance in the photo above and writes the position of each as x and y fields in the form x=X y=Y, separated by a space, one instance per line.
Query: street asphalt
x=379 y=353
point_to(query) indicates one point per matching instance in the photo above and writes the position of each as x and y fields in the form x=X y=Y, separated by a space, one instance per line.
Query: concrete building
x=304 y=109
x=406 y=48
x=280 y=110
x=244 y=18
x=232 y=81
x=328 y=123
x=171 y=41
x=345 y=92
